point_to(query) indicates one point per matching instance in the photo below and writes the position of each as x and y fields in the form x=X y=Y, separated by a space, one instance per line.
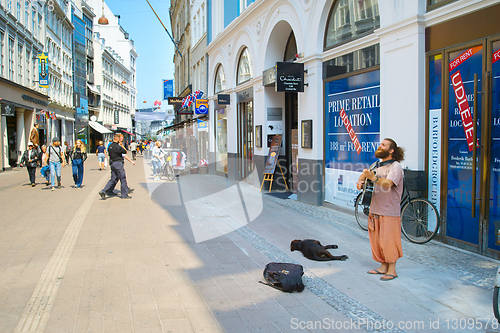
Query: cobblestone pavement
x=188 y=255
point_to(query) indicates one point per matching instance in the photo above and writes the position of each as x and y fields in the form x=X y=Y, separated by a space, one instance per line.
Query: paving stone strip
x=336 y=299
x=36 y=313
x=471 y=268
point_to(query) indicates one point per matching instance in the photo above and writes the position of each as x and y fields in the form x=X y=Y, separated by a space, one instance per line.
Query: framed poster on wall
x=258 y=136
x=306 y=134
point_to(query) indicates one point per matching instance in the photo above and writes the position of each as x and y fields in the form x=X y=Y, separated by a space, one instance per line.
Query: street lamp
x=103 y=20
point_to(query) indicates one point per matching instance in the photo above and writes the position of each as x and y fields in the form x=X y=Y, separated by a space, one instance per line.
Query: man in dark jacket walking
x=117 y=153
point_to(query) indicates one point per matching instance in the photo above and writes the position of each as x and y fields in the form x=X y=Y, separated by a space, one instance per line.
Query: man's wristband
x=376 y=179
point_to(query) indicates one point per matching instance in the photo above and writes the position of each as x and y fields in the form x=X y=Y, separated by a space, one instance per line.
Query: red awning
x=127 y=132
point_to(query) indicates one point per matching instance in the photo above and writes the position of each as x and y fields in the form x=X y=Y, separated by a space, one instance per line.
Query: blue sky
x=155 y=49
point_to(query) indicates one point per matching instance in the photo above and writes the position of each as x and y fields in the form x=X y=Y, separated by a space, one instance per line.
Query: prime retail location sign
x=352 y=133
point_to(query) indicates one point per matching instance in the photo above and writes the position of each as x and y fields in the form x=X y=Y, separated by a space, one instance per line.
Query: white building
x=117 y=62
x=390 y=65
x=22 y=38
x=58 y=45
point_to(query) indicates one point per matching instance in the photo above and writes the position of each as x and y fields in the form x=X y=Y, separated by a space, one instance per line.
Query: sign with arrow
x=43 y=70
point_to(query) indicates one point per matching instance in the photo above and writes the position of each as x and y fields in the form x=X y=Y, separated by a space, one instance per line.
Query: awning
x=124 y=131
x=99 y=128
x=93 y=89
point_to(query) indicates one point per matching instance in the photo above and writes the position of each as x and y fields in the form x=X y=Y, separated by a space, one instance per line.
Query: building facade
x=384 y=68
x=59 y=46
x=115 y=74
x=22 y=38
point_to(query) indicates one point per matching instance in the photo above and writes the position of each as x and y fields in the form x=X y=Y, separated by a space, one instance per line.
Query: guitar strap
x=381 y=164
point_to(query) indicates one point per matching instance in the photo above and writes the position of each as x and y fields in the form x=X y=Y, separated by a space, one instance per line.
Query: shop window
x=351 y=19
x=433 y=4
x=357 y=60
x=220 y=80
x=244 y=67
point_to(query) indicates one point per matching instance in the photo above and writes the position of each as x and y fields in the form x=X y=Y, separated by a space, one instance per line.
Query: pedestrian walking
x=78 y=156
x=156 y=157
x=384 y=220
x=35 y=138
x=133 y=149
x=45 y=170
x=101 y=155
x=141 y=146
x=67 y=151
x=30 y=159
x=56 y=161
x=117 y=154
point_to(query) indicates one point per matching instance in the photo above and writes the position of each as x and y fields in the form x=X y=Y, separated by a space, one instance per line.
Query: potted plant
x=203 y=167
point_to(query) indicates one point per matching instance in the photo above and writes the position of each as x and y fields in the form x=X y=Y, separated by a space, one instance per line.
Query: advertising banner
x=43 y=70
x=494 y=214
x=272 y=157
x=168 y=89
x=462 y=66
x=351 y=136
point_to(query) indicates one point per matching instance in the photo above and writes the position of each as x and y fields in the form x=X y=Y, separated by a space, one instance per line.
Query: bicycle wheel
x=163 y=171
x=169 y=172
x=496 y=311
x=419 y=220
x=361 y=213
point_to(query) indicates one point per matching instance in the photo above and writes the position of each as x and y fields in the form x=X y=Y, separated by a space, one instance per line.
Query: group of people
x=52 y=159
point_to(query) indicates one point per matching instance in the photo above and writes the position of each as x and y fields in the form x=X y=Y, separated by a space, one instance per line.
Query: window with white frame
x=243 y=5
x=39 y=29
x=19 y=64
x=33 y=21
x=27 y=77
x=9 y=6
x=244 y=67
x=18 y=12
x=220 y=80
x=2 y=64
x=350 y=19
x=26 y=14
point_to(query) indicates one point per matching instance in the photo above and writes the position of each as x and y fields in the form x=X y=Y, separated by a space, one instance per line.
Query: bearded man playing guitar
x=384 y=220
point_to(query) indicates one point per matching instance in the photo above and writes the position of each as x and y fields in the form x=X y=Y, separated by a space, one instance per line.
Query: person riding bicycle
x=157 y=154
x=384 y=220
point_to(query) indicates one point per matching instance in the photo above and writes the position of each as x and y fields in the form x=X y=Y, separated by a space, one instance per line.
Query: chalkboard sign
x=272 y=157
x=307 y=134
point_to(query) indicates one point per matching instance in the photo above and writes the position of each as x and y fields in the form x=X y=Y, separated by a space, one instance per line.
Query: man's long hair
x=399 y=153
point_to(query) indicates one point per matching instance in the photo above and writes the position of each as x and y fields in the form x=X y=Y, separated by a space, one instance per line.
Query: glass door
x=494 y=165
x=462 y=65
x=245 y=138
x=472 y=199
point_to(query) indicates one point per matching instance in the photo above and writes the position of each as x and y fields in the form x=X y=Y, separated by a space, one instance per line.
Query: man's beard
x=380 y=153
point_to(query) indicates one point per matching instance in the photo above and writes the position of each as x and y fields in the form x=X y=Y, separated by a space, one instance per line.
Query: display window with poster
x=221 y=140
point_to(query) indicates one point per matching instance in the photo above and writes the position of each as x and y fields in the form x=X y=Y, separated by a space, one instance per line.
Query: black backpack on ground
x=284 y=276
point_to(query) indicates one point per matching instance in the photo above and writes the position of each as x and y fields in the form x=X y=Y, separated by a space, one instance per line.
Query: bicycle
x=167 y=170
x=419 y=217
x=496 y=292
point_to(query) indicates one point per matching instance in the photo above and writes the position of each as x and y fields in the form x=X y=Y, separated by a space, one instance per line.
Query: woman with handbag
x=78 y=156
x=45 y=171
x=30 y=159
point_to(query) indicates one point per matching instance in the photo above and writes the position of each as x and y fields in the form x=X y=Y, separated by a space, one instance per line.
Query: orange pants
x=385 y=238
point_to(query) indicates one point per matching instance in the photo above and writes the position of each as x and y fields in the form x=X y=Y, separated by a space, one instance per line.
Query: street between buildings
x=188 y=255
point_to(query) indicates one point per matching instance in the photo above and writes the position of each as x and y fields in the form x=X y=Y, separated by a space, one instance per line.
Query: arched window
x=291 y=48
x=244 y=67
x=350 y=19
x=220 y=80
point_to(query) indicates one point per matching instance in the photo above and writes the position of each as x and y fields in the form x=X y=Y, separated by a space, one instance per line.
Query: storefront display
x=354 y=100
